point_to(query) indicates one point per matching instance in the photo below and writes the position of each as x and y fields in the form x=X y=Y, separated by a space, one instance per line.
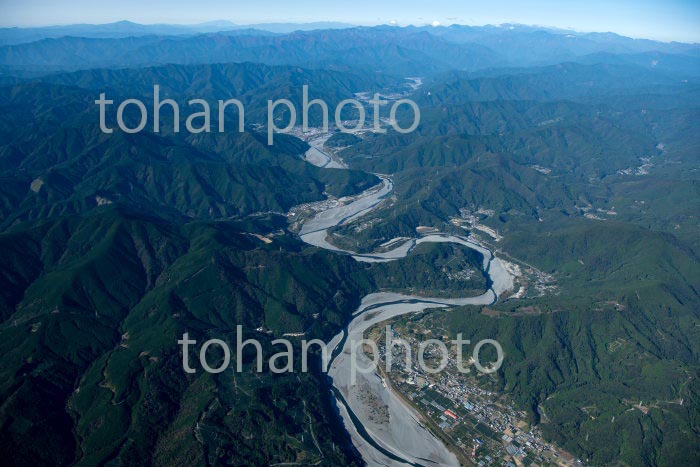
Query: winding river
x=384 y=429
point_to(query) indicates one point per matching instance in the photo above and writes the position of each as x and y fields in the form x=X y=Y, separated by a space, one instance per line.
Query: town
x=464 y=410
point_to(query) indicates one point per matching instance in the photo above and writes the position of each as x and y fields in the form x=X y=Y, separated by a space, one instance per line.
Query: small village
x=479 y=423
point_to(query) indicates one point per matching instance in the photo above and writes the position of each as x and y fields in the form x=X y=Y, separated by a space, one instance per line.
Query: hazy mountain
x=378 y=49
x=580 y=151
x=404 y=51
x=524 y=42
x=11 y=36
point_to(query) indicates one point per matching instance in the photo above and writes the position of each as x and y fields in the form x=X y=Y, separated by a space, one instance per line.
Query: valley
x=401 y=438
x=548 y=200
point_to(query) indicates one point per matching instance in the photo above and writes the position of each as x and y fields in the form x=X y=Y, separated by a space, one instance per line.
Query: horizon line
x=349 y=26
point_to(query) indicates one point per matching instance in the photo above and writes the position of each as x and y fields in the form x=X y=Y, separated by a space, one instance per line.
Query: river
x=384 y=429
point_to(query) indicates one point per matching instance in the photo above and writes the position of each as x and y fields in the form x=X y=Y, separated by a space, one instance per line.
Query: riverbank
x=385 y=428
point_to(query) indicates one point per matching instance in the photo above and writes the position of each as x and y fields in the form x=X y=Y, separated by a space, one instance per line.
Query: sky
x=664 y=20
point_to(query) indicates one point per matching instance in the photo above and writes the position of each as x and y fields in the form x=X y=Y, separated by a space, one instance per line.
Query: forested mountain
x=407 y=51
x=576 y=154
x=556 y=154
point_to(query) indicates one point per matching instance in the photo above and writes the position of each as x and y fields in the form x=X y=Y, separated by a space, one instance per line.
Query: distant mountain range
x=574 y=156
x=9 y=36
x=399 y=51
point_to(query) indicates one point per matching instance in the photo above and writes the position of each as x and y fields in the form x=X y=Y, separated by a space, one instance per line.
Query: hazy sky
x=656 y=19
